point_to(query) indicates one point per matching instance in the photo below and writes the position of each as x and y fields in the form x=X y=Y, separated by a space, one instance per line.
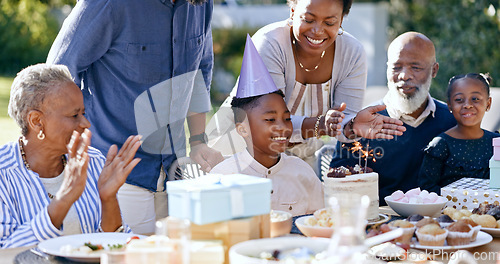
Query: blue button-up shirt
x=141 y=65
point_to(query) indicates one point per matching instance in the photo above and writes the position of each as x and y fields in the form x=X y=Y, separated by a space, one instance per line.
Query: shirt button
x=272 y=191
x=175 y=40
x=268 y=172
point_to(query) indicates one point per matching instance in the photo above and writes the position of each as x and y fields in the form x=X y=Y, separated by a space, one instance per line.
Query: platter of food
x=486 y=215
x=85 y=247
x=311 y=227
x=482 y=239
x=382 y=218
x=495 y=232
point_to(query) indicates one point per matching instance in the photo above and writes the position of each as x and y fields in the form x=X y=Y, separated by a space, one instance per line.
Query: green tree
x=27 y=30
x=466 y=34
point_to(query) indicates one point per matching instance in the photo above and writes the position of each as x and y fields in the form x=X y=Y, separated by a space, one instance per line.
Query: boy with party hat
x=263 y=120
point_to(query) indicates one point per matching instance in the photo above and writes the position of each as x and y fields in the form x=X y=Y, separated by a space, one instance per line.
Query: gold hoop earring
x=341 y=32
x=290 y=22
x=41 y=135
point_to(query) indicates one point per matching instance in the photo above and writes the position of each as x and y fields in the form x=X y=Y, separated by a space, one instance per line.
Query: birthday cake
x=354 y=180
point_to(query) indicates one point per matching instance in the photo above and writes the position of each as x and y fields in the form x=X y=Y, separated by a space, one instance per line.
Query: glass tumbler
x=349 y=223
x=179 y=232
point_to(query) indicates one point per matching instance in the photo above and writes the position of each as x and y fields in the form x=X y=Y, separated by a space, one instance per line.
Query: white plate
x=53 y=246
x=482 y=239
x=248 y=251
x=382 y=218
x=495 y=232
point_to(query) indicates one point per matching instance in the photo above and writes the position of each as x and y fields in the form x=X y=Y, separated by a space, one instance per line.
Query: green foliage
x=466 y=34
x=251 y=2
x=229 y=45
x=27 y=30
x=5 y=84
x=8 y=127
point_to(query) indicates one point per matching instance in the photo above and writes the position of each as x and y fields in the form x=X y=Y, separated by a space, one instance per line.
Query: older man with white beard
x=410 y=68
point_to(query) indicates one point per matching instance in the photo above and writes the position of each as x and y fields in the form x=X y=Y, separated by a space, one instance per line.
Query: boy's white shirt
x=296 y=188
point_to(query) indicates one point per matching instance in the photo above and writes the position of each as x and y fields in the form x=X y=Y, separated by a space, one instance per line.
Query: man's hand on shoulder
x=205 y=156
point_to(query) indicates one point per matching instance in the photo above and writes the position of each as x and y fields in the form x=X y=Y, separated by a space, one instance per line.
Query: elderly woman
x=52 y=182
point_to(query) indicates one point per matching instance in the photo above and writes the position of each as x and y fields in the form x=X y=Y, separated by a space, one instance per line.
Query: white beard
x=408 y=104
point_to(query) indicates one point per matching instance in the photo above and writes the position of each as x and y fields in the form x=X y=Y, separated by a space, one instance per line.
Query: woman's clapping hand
x=118 y=166
x=75 y=172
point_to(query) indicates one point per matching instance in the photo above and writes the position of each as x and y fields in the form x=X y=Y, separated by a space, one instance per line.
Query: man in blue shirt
x=411 y=66
x=143 y=67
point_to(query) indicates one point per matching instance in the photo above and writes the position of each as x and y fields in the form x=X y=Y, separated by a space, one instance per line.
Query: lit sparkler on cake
x=358 y=179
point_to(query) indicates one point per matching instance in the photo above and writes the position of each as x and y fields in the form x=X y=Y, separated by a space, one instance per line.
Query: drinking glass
x=349 y=223
x=179 y=232
x=113 y=257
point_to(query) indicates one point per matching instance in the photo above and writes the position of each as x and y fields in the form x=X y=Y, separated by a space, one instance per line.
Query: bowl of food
x=424 y=209
x=278 y=250
x=281 y=223
x=312 y=227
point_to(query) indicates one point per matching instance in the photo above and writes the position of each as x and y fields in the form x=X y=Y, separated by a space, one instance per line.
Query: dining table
x=487 y=254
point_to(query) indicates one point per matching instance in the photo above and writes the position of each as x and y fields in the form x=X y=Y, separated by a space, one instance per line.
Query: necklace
x=27 y=165
x=302 y=66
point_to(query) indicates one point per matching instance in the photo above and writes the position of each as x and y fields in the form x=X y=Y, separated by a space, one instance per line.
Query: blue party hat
x=254 y=77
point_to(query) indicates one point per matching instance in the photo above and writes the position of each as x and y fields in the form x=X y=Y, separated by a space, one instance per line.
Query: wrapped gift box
x=214 y=198
x=234 y=231
x=468 y=193
x=494 y=173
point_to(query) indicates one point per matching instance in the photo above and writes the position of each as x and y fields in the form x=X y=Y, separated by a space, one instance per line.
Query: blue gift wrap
x=214 y=197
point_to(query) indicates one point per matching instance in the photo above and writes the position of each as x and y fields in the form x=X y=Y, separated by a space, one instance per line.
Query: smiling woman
x=52 y=182
x=322 y=71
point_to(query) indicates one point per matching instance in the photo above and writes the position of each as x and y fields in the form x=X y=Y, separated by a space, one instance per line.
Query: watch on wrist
x=200 y=137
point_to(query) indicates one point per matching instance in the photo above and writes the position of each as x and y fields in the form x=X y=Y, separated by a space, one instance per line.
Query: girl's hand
x=117 y=167
x=333 y=120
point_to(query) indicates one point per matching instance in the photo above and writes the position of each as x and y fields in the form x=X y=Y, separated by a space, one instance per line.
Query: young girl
x=465 y=149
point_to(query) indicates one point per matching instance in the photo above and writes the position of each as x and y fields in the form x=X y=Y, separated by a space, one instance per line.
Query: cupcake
x=408 y=230
x=459 y=233
x=445 y=220
x=426 y=221
x=474 y=226
x=431 y=235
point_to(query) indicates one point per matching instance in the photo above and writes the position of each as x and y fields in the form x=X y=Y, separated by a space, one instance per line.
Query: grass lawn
x=9 y=131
